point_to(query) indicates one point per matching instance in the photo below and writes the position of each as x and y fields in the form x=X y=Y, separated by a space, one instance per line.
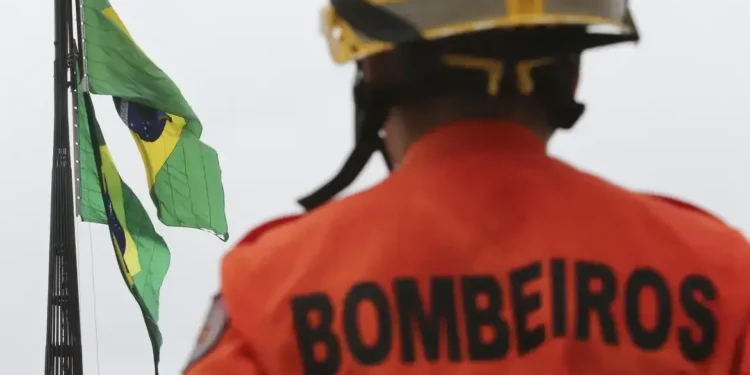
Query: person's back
x=490 y=257
x=478 y=254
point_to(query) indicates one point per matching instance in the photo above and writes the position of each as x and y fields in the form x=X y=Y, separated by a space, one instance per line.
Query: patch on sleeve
x=213 y=329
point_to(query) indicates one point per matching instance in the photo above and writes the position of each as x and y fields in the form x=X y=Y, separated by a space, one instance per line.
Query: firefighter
x=479 y=253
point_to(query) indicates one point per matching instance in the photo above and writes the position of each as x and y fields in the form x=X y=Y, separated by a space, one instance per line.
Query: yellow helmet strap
x=430 y=74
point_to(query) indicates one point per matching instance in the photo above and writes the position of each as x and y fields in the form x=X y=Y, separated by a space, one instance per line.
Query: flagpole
x=63 y=355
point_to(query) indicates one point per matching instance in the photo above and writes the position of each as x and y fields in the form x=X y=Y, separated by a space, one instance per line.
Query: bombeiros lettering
x=487 y=317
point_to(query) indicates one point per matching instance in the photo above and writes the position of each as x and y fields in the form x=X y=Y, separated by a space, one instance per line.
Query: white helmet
x=472 y=47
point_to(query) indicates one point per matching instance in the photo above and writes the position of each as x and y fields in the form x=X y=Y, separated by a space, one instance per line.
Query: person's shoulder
x=267 y=264
x=269 y=226
x=679 y=206
x=701 y=227
x=262 y=241
x=299 y=237
x=333 y=213
x=256 y=266
x=679 y=214
x=724 y=251
x=691 y=215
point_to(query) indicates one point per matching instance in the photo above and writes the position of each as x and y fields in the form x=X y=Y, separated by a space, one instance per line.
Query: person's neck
x=401 y=134
x=408 y=124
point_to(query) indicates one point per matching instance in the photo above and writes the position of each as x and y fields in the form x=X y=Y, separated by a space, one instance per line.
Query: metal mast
x=63 y=352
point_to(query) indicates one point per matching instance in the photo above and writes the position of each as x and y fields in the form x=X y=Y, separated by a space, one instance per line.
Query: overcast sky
x=670 y=116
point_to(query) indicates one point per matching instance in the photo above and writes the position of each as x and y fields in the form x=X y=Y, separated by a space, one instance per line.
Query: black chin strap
x=371 y=114
x=373 y=102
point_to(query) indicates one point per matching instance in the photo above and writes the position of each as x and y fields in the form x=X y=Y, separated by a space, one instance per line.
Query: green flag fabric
x=141 y=253
x=183 y=173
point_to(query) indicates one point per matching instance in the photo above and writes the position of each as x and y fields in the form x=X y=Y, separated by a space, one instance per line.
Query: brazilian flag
x=183 y=173
x=142 y=254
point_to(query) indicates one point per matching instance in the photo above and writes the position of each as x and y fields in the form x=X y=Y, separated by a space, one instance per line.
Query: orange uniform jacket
x=483 y=255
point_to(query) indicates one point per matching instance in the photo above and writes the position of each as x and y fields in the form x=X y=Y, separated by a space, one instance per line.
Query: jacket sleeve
x=221 y=349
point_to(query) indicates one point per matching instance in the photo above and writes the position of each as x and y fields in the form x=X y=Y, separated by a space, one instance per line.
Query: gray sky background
x=669 y=116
